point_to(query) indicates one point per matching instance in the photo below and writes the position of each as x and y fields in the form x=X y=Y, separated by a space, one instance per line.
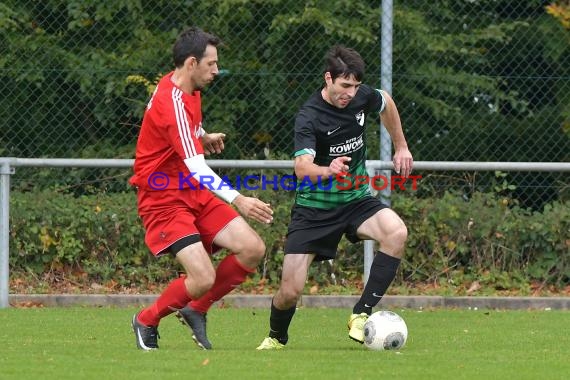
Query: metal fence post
x=5 y=171
x=385 y=140
x=386 y=84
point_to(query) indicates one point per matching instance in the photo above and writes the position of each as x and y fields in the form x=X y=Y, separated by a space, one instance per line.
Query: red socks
x=229 y=275
x=174 y=296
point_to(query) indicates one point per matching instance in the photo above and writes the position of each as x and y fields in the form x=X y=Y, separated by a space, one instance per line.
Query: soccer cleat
x=356 y=327
x=270 y=344
x=146 y=336
x=196 y=321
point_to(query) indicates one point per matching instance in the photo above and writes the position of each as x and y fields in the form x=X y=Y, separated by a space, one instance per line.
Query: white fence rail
x=8 y=167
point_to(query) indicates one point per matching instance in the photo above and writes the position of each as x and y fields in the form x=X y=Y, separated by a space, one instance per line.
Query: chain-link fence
x=474 y=80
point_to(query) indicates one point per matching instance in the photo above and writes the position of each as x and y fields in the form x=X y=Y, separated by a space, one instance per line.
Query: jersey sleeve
x=181 y=126
x=376 y=100
x=305 y=137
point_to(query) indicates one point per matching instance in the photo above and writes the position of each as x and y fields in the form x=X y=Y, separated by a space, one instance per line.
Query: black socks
x=382 y=273
x=279 y=323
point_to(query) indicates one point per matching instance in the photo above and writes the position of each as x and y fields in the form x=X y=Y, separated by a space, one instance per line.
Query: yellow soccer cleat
x=356 y=327
x=270 y=344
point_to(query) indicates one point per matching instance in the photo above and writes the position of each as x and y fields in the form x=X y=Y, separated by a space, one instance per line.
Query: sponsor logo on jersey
x=349 y=146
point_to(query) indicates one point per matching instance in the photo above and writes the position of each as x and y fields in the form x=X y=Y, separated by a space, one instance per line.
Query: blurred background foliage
x=474 y=80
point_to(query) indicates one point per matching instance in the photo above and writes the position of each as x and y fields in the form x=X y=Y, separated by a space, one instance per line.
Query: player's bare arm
x=254 y=208
x=403 y=160
x=305 y=167
x=213 y=143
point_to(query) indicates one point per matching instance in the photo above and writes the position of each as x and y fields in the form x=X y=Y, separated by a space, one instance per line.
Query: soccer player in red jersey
x=181 y=216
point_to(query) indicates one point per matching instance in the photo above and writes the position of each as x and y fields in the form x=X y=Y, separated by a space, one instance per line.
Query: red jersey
x=169 y=134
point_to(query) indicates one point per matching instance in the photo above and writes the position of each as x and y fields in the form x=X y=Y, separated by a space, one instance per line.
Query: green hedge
x=486 y=239
x=99 y=238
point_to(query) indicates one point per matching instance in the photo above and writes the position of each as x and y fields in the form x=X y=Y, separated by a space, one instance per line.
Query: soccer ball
x=385 y=330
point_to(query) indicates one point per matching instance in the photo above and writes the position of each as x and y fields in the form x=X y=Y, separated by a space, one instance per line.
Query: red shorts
x=171 y=215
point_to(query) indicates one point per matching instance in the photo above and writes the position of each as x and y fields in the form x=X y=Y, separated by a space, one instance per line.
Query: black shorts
x=318 y=231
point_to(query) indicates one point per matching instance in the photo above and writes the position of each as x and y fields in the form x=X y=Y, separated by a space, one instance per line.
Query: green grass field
x=97 y=343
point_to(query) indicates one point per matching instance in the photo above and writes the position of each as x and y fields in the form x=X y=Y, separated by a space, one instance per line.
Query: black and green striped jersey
x=327 y=132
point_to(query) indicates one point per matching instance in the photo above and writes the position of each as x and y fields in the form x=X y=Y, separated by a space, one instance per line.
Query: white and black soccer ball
x=385 y=330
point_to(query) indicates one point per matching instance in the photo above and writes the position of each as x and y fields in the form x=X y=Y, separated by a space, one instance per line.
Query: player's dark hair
x=344 y=62
x=192 y=43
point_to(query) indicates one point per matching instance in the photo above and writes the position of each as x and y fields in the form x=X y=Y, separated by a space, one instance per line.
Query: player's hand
x=254 y=208
x=339 y=165
x=213 y=143
x=403 y=162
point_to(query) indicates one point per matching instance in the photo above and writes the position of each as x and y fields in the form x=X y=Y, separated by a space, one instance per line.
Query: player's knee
x=202 y=288
x=291 y=294
x=399 y=236
x=253 y=250
x=259 y=249
x=199 y=285
x=284 y=300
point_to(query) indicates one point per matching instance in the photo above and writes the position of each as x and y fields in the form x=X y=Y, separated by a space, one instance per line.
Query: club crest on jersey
x=360 y=118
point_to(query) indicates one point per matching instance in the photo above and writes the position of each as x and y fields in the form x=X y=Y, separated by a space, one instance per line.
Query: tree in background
x=475 y=80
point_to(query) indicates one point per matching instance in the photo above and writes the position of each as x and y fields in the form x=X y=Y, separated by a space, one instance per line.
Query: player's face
x=341 y=91
x=206 y=70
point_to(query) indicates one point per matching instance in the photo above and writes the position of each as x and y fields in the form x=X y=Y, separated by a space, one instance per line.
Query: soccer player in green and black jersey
x=331 y=199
